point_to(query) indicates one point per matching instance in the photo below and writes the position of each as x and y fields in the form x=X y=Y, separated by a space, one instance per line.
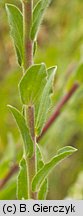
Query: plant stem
x=27 y=21
x=28 y=61
x=30 y=114
x=32 y=161
x=60 y=105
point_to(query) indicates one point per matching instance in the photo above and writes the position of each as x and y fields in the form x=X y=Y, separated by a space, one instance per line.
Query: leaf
x=15 y=19
x=34 y=47
x=40 y=162
x=47 y=168
x=32 y=83
x=44 y=187
x=22 y=181
x=42 y=194
x=38 y=14
x=45 y=101
x=28 y=144
x=35 y=88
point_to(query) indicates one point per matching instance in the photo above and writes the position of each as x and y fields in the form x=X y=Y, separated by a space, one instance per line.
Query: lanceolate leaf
x=28 y=144
x=45 y=101
x=35 y=88
x=47 y=168
x=32 y=84
x=38 y=13
x=44 y=187
x=16 y=26
x=22 y=181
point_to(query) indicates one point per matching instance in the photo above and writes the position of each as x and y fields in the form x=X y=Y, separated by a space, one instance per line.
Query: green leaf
x=40 y=162
x=28 y=143
x=45 y=101
x=16 y=26
x=32 y=83
x=42 y=194
x=34 y=47
x=35 y=88
x=38 y=14
x=44 y=187
x=22 y=181
x=47 y=168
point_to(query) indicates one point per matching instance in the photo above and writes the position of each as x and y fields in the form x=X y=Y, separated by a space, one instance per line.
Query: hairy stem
x=53 y=118
x=32 y=161
x=28 y=61
x=30 y=114
x=27 y=21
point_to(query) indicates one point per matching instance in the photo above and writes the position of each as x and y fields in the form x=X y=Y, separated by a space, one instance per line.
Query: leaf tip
x=9 y=106
x=55 y=69
x=68 y=149
x=43 y=65
x=7 y=6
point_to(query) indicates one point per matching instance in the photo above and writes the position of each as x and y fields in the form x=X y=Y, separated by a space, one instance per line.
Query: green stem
x=28 y=61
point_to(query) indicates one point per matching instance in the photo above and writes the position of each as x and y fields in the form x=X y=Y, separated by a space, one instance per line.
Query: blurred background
x=60 y=42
